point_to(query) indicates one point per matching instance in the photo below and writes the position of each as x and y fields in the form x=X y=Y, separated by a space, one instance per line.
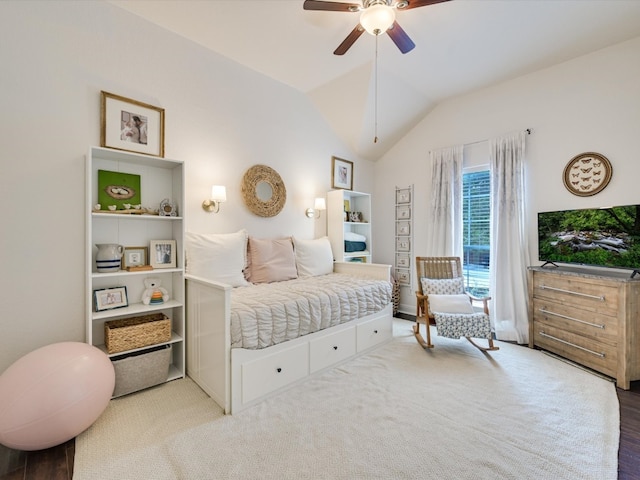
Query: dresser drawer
x=586 y=294
x=599 y=356
x=572 y=319
x=270 y=373
x=332 y=349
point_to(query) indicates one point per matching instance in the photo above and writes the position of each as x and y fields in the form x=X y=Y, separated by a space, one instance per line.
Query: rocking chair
x=442 y=300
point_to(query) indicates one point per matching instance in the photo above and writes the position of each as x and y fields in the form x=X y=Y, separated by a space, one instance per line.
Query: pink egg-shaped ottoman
x=52 y=394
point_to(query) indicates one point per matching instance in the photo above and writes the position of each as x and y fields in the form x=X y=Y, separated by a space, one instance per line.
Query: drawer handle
x=596 y=297
x=597 y=354
x=543 y=310
x=278 y=369
x=335 y=347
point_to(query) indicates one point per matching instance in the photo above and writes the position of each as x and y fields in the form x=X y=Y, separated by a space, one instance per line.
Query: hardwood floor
x=629 y=452
x=56 y=463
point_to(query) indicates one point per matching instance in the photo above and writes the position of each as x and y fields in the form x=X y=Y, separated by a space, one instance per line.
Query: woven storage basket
x=141 y=369
x=136 y=332
x=395 y=295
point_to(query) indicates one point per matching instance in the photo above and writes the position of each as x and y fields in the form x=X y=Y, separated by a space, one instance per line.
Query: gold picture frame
x=135 y=257
x=130 y=125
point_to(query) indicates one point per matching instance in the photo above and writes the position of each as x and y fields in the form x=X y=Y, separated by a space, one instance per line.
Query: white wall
x=221 y=118
x=591 y=103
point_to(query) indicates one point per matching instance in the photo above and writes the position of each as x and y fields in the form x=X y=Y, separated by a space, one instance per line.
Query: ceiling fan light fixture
x=377 y=18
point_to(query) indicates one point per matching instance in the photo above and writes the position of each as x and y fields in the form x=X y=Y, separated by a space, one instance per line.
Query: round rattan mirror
x=263 y=191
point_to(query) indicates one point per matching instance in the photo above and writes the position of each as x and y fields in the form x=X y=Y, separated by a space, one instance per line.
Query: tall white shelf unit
x=338 y=223
x=159 y=179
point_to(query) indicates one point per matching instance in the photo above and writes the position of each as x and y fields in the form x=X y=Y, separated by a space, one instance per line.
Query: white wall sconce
x=318 y=206
x=218 y=195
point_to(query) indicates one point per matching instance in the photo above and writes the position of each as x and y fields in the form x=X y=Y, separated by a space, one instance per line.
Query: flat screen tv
x=605 y=237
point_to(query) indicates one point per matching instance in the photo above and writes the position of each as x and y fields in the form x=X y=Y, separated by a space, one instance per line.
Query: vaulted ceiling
x=461 y=46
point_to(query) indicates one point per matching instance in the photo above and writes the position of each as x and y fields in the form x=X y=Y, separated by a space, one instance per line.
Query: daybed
x=263 y=314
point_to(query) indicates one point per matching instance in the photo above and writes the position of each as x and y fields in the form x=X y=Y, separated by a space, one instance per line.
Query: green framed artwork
x=117 y=188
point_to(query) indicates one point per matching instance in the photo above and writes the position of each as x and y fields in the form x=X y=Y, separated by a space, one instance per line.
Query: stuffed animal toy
x=154 y=294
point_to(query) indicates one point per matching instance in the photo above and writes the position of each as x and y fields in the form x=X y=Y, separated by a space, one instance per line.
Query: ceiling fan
x=376 y=17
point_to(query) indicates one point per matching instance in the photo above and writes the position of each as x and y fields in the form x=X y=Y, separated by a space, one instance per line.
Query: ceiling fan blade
x=350 y=40
x=330 y=6
x=400 y=38
x=419 y=3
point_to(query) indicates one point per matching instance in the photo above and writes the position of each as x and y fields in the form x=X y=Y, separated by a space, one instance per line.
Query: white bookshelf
x=338 y=224
x=159 y=179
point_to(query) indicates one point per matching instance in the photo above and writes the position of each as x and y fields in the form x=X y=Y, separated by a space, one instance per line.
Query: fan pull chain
x=375 y=100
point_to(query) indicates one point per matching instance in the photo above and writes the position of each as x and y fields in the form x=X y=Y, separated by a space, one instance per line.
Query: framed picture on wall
x=404 y=228
x=130 y=125
x=403 y=277
x=403 y=245
x=341 y=173
x=402 y=260
x=403 y=196
x=403 y=213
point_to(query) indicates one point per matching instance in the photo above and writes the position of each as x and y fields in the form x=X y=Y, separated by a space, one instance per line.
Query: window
x=476 y=195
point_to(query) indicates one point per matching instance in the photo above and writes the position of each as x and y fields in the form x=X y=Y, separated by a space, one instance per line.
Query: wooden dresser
x=590 y=318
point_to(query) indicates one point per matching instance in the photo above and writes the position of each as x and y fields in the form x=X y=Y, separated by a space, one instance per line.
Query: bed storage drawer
x=373 y=332
x=269 y=373
x=331 y=349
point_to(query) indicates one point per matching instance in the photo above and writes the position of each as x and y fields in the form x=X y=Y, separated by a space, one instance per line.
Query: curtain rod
x=527 y=131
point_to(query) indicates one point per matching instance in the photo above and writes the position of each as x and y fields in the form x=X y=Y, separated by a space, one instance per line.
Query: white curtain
x=445 y=232
x=509 y=252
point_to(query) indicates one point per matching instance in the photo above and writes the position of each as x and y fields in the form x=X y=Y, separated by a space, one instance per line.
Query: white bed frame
x=238 y=378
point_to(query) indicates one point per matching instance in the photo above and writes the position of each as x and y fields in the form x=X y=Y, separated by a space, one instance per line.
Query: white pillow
x=313 y=257
x=220 y=257
x=450 y=303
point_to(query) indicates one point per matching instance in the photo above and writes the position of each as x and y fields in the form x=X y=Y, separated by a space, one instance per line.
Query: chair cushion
x=450 y=303
x=445 y=286
x=474 y=325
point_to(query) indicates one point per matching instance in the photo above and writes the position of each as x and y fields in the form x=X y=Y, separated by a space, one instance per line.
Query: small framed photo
x=108 y=298
x=404 y=228
x=402 y=260
x=403 y=245
x=341 y=173
x=162 y=253
x=135 y=257
x=403 y=277
x=403 y=196
x=130 y=125
x=356 y=217
x=403 y=213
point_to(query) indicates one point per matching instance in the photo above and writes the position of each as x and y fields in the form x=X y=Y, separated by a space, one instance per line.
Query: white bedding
x=267 y=314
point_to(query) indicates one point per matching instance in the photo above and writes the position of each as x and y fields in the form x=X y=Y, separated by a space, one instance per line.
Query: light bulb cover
x=219 y=193
x=377 y=19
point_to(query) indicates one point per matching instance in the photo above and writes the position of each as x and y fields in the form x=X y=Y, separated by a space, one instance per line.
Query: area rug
x=400 y=412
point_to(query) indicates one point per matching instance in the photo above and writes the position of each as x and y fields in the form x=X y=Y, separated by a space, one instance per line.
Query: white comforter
x=267 y=314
